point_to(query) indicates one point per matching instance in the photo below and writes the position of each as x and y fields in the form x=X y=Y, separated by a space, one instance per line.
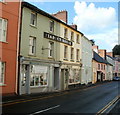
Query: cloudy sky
x=97 y=20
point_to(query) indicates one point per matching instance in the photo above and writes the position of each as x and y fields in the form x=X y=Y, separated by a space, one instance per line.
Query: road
x=89 y=100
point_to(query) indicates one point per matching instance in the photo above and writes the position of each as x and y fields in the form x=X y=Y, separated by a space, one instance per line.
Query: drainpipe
x=17 y=60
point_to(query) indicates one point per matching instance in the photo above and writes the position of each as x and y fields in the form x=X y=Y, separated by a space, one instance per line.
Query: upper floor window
x=104 y=67
x=65 y=32
x=32 y=45
x=72 y=36
x=101 y=66
x=65 y=51
x=33 y=19
x=78 y=40
x=98 y=66
x=52 y=26
x=77 y=54
x=3 y=29
x=51 y=49
x=2 y=72
x=72 y=53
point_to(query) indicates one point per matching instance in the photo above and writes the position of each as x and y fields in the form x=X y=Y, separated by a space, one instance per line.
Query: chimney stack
x=61 y=15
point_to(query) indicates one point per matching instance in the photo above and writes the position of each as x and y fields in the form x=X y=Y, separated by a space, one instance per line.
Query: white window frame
x=65 y=32
x=78 y=39
x=77 y=54
x=65 y=52
x=32 y=45
x=51 y=26
x=38 y=75
x=35 y=19
x=72 y=54
x=3 y=30
x=51 y=49
x=2 y=72
x=72 y=36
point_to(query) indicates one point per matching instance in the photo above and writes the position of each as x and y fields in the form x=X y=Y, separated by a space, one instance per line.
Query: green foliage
x=116 y=50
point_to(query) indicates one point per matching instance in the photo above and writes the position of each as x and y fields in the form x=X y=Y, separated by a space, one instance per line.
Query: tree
x=116 y=50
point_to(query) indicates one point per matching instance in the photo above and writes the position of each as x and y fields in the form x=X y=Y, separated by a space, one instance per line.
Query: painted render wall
x=42 y=26
x=41 y=58
x=86 y=60
x=10 y=11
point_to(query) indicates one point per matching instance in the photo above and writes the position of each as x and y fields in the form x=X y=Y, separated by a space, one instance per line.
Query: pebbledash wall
x=9 y=18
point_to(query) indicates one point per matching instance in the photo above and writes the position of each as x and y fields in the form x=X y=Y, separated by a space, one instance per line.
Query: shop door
x=56 y=78
x=25 y=79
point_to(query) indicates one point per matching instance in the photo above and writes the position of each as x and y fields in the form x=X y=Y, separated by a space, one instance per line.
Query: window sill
x=2 y=84
x=4 y=42
x=50 y=57
x=65 y=59
x=33 y=55
x=38 y=86
x=72 y=60
x=77 y=61
x=33 y=26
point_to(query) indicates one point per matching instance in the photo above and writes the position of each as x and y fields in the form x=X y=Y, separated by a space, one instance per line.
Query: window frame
x=65 y=33
x=35 y=21
x=51 y=49
x=33 y=46
x=51 y=26
x=78 y=39
x=4 y=22
x=65 y=51
x=2 y=73
x=72 y=36
x=72 y=53
x=77 y=54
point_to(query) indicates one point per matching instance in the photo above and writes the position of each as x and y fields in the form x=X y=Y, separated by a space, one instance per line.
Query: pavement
x=92 y=99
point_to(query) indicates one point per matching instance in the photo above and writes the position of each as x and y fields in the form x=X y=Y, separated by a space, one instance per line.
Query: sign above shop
x=57 y=38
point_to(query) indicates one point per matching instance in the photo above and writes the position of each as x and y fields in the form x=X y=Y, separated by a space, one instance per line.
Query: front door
x=56 y=78
x=24 y=79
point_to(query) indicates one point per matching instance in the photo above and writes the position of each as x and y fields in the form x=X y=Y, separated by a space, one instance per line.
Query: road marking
x=39 y=98
x=108 y=105
x=45 y=110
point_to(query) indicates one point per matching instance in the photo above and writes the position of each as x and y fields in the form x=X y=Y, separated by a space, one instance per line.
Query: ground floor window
x=39 y=75
x=74 y=76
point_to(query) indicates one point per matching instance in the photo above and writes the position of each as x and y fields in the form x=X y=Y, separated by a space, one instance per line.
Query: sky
x=96 y=20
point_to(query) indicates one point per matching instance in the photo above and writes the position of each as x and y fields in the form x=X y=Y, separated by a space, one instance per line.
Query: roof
x=99 y=59
x=34 y=8
x=110 y=57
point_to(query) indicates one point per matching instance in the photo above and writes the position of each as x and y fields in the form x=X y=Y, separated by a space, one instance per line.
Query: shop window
x=39 y=76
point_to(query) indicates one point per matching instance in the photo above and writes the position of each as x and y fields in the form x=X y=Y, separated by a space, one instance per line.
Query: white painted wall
x=86 y=47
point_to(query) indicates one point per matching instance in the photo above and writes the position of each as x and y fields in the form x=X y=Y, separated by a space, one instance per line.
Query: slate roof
x=110 y=57
x=99 y=59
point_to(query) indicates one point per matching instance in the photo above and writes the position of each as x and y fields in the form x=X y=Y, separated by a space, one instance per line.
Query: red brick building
x=9 y=26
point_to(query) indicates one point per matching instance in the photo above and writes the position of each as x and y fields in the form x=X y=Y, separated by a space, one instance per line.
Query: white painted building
x=86 y=56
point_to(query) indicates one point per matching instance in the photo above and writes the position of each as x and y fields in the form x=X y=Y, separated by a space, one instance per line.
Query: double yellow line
x=108 y=105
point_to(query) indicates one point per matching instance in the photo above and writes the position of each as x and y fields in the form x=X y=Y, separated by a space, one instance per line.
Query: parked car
x=116 y=78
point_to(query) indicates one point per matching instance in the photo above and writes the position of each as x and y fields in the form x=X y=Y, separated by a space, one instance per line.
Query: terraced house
x=39 y=51
x=70 y=54
x=9 y=32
